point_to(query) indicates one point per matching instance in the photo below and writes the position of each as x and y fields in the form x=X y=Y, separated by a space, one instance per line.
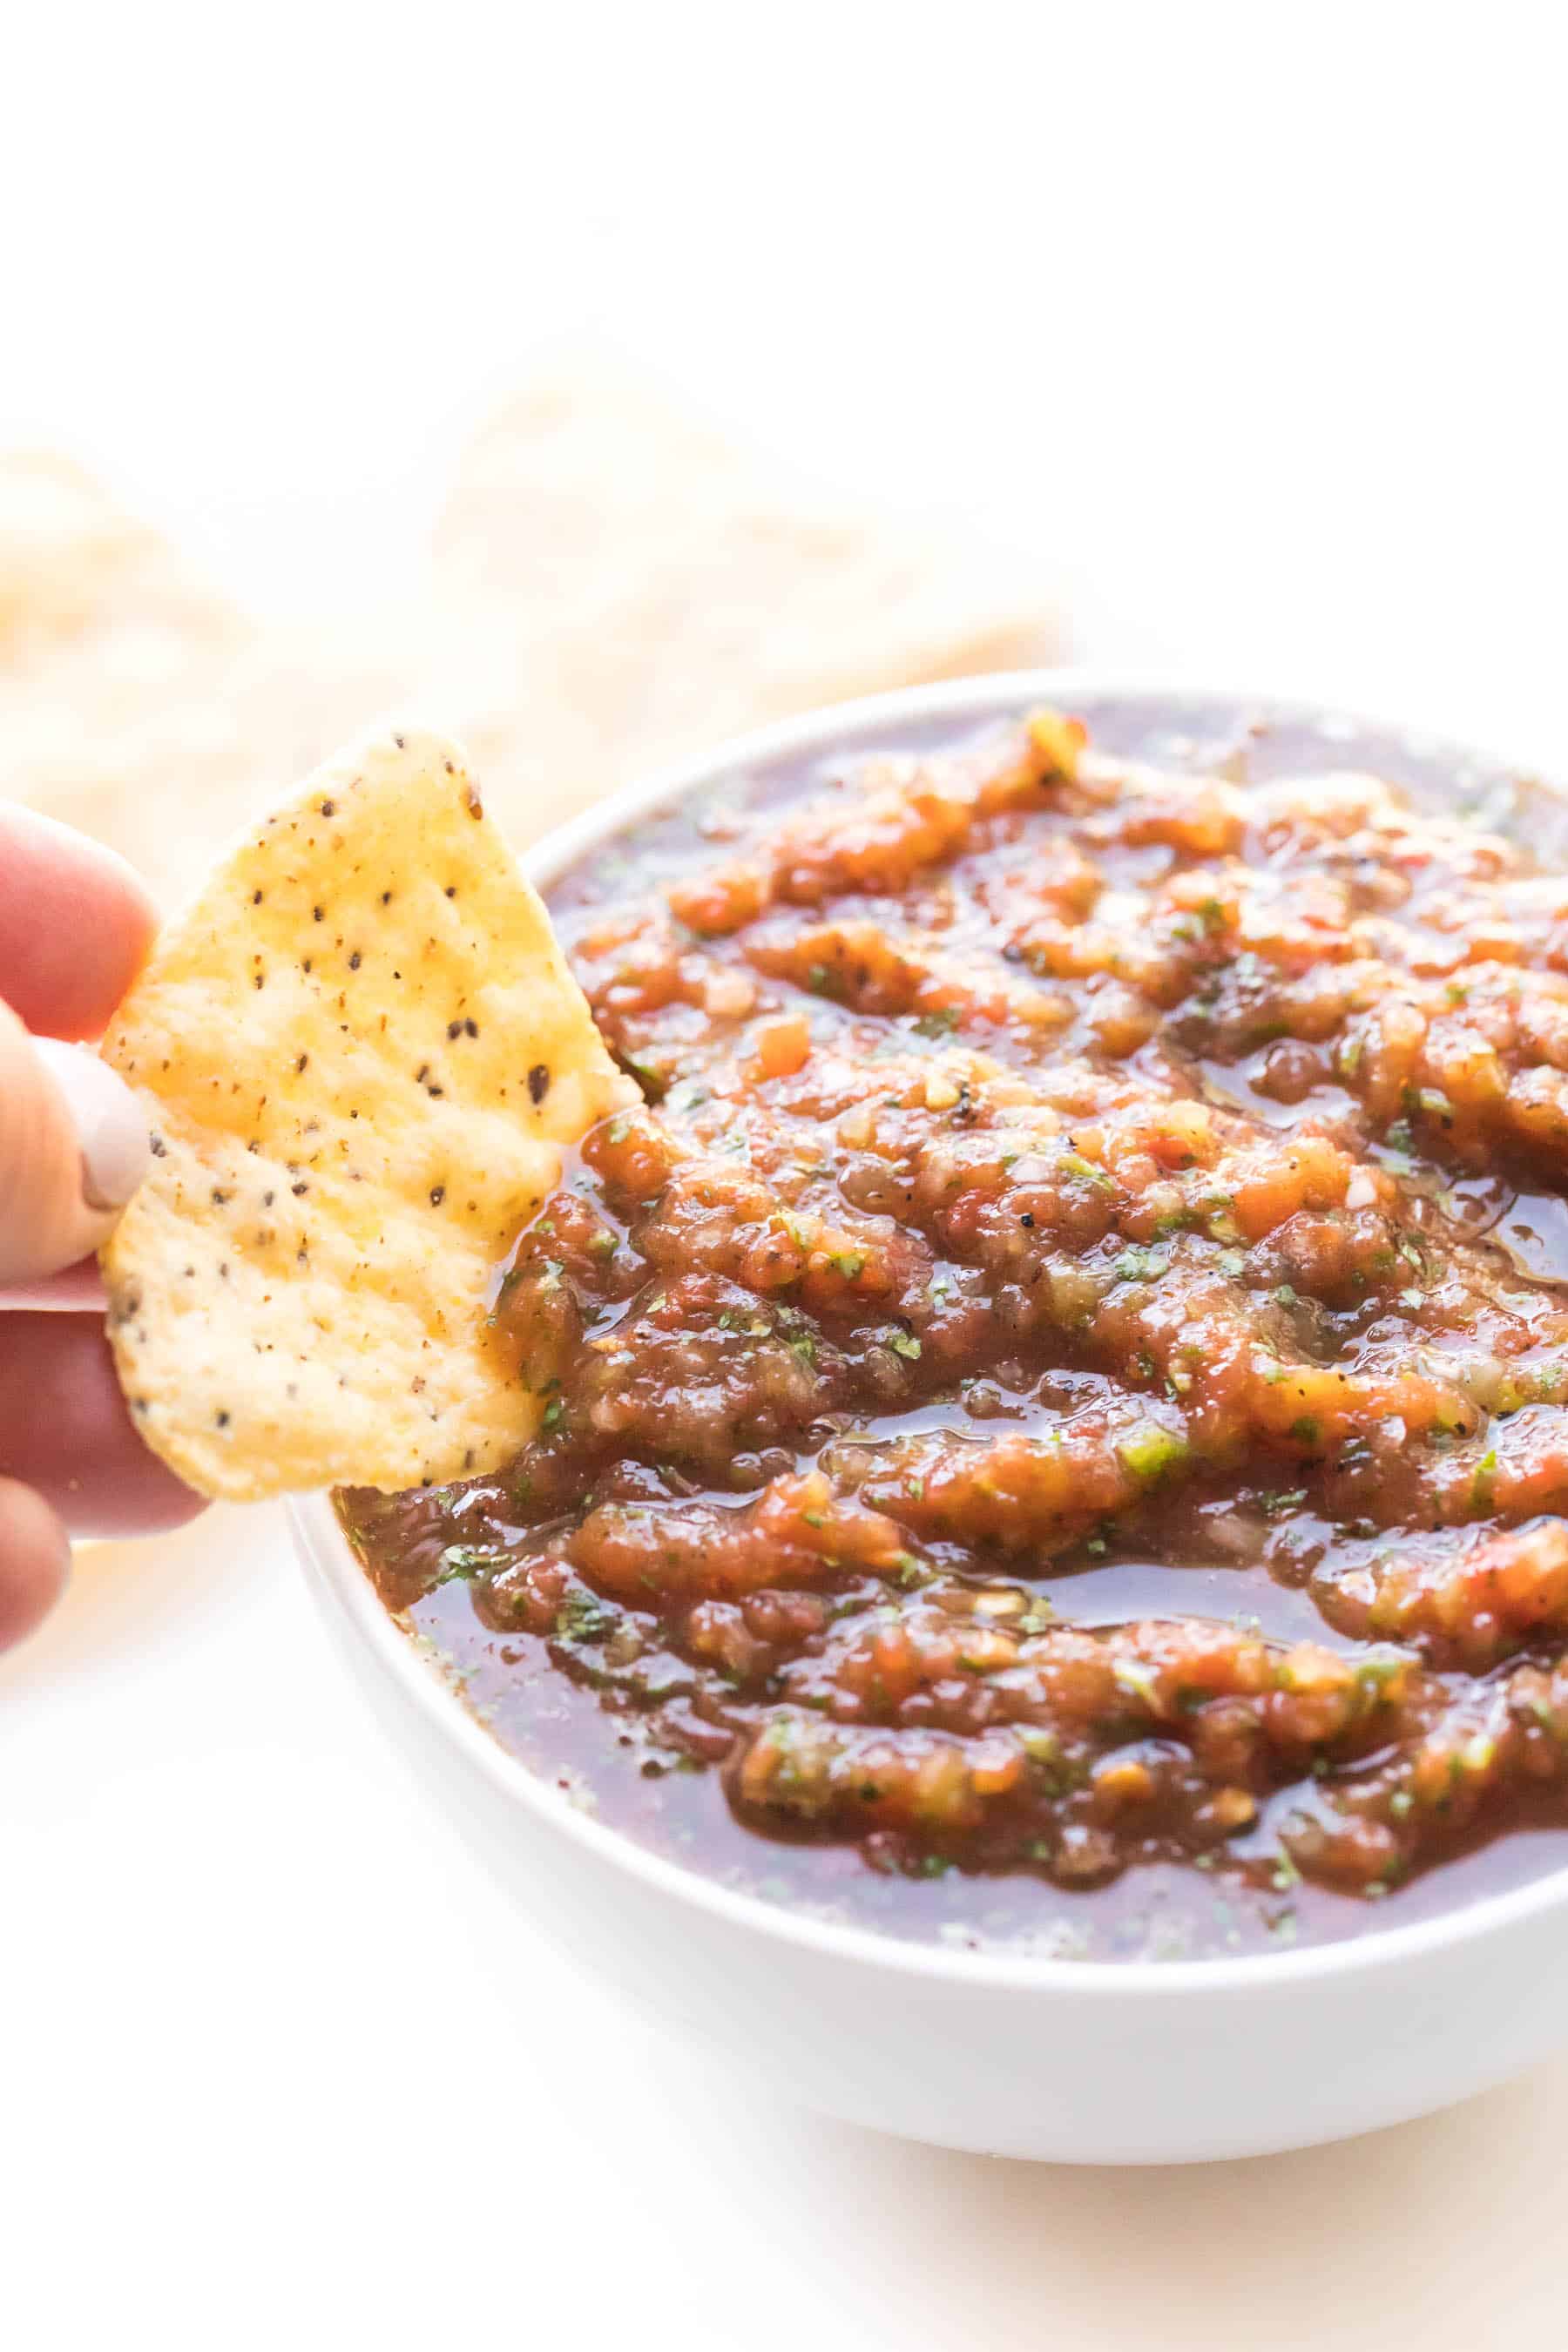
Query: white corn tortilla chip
x=614 y=586
x=361 y=1052
x=136 y=701
x=620 y=585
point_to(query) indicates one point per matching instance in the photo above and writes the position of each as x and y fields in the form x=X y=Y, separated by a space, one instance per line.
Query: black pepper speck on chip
x=538 y=1082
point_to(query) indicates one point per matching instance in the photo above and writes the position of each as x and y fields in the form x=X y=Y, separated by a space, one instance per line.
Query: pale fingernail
x=109 y=1126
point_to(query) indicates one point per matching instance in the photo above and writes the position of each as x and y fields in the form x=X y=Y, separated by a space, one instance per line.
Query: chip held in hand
x=361 y=1053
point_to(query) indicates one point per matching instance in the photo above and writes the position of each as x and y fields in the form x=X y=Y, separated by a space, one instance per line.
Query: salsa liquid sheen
x=1052 y=1429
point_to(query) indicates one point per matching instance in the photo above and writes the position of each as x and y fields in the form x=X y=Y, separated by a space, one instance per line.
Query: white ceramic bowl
x=1088 y=2062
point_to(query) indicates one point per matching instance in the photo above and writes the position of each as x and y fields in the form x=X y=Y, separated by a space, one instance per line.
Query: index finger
x=74 y=926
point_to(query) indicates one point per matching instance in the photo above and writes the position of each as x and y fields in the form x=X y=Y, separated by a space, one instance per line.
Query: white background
x=1252 y=319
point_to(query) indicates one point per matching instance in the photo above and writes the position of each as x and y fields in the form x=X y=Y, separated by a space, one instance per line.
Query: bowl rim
x=329 y=1557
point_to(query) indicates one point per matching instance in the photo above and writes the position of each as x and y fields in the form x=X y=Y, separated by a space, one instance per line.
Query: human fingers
x=74 y=926
x=35 y=1561
x=73 y=1148
x=77 y=1291
x=65 y=1431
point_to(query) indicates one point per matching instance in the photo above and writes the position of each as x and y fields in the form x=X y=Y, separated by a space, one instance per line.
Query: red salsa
x=1055 y=1428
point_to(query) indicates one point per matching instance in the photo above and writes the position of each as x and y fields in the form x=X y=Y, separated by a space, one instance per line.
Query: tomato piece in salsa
x=1054 y=1426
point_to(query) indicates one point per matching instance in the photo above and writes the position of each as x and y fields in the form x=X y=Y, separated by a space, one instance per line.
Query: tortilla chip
x=615 y=584
x=137 y=702
x=362 y=1052
x=619 y=585
x=68 y=555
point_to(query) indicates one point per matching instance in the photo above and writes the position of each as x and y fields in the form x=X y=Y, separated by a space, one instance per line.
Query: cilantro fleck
x=582 y=1617
x=1140 y=1266
x=460 y=1563
x=1072 y=1164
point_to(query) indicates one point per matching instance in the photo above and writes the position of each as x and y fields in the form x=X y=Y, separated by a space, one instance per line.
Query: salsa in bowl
x=1050 y=1455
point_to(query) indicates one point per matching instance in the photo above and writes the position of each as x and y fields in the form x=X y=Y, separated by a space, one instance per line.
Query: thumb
x=73 y=1148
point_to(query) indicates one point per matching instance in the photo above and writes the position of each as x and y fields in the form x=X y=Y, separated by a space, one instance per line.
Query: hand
x=74 y=926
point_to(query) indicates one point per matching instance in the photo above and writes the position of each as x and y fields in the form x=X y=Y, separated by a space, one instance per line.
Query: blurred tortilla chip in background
x=613 y=586
x=136 y=701
x=618 y=585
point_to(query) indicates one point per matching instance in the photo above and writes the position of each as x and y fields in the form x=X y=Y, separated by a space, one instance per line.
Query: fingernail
x=109 y=1126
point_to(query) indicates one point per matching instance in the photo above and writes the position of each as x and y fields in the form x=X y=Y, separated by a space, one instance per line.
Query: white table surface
x=1251 y=321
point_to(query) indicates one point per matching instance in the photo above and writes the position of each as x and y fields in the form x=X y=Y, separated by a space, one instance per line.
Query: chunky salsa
x=1055 y=1425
